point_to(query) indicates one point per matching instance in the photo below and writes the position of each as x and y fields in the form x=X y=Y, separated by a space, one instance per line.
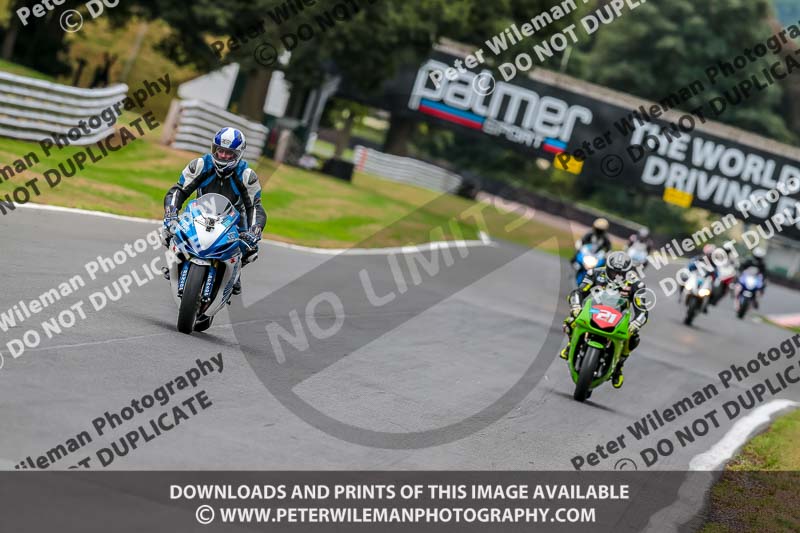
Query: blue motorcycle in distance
x=750 y=283
x=587 y=260
x=204 y=258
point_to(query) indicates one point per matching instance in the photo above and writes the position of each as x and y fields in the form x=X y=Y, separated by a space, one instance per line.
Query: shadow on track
x=588 y=402
x=169 y=327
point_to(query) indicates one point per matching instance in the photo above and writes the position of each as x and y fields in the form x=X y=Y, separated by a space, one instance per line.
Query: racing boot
x=237 y=287
x=567 y=327
x=617 y=378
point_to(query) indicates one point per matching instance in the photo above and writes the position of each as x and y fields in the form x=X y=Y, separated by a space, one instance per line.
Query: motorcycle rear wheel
x=190 y=301
x=586 y=374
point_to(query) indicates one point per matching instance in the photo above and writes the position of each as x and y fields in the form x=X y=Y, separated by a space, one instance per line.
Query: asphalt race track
x=445 y=355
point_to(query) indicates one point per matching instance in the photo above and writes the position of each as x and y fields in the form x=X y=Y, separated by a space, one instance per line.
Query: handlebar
x=247 y=245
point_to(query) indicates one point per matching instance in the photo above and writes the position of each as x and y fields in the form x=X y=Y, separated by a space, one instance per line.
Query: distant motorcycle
x=204 y=258
x=726 y=275
x=587 y=260
x=696 y=291
x=750 y=283
x=638 y=254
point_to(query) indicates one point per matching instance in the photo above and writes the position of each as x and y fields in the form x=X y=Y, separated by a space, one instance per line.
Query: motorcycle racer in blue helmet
x=223 y=171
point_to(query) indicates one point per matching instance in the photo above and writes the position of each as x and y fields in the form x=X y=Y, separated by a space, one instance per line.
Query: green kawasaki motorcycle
x=599 y=334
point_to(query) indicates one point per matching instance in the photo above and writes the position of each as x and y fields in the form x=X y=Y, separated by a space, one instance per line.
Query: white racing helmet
x=227 y=149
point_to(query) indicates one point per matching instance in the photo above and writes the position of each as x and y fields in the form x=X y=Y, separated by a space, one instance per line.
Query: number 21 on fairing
x=605 y=316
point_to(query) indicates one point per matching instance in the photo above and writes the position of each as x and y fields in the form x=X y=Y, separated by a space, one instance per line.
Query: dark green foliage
x=668 y=44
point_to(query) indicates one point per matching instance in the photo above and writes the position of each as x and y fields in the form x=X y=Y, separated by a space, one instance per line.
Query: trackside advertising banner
x=676 y=159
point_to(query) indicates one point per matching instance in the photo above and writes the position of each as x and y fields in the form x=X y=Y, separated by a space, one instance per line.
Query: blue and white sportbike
x=750 y=283
x=587 y=260
x=205 y=259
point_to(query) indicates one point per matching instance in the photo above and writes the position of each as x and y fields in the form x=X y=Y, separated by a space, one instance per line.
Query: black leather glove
x=170 y=216
x=252 y=236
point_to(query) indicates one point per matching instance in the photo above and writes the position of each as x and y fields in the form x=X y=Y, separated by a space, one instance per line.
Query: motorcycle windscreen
x=212 y=234
x=608 y=308
x=751 y=279
x=215 y=206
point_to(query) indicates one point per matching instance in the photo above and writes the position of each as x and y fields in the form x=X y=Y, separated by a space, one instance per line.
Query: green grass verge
x=758 y=490
x=13 y=68
x=325 y=150
x=304 y=207
x=776 y=449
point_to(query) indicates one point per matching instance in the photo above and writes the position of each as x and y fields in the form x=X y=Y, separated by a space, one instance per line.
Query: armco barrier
x=191 y=124
x=32 y=109
x=406 y=170
x=415 y=172
x=561 y=207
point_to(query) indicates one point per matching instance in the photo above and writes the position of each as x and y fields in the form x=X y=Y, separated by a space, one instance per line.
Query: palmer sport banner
x=686 y=158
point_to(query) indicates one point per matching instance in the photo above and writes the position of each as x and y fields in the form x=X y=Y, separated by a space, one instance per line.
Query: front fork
x=182 y=279
x=586 y=342
x=208 y=286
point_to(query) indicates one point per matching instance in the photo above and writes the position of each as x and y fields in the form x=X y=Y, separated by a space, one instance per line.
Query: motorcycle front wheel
x=691 y=312
x=743 y=308
x=190 y=301
x=586 y=374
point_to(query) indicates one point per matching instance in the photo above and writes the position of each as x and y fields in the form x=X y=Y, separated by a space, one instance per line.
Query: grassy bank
x=758 y=490
x=304 y=207
x=13 y=68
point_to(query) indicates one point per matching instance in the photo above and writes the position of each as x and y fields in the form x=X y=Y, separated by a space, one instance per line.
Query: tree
x=12 y=31
x=194 y=22
x=386 y=36
x=663 y=46
x=343 y=115
x=40 y=43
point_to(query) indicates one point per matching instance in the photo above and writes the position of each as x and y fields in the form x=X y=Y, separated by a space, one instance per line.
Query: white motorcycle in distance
x=696 y=292
x=638 y=254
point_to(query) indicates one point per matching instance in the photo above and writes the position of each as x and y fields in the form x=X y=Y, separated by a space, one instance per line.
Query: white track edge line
x=738 y=435
x=485 y=240
x=688 y=504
